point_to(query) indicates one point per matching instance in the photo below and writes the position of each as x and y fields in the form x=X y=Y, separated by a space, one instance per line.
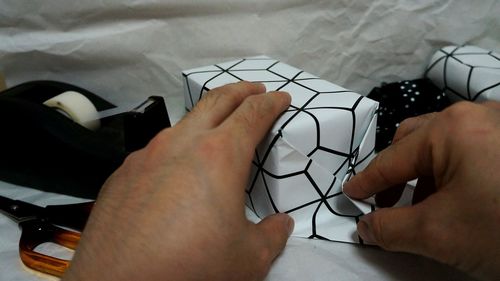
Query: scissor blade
x=6 y=205
x=18 y=210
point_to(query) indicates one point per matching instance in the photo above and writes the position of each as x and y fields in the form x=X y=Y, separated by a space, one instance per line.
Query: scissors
x=45 y=224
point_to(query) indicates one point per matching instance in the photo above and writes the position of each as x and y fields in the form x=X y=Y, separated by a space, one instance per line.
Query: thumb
x=275 y=230
x=394 y=229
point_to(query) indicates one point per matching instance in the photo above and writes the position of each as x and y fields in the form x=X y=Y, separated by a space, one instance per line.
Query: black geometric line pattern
x=466 y=73
x=326 y=134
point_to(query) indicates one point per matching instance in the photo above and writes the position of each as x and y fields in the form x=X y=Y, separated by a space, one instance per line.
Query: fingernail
x=290 y=224
x=365 y=231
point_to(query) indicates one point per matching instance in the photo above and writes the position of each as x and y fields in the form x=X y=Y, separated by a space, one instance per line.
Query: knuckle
x=131 y=159
x=252 y=110
x=158 y=149
x=491 y=104
x=229 y=97
x=208 y=100
x=237 y=87
x=161 y=140
x=215 y=93
x=262 y=104
x=199 y=108
x=459 y=112
x=246 y=86
x=403 y=128
x=264 y=257
x=407 y=126
x=254 y=102
x=406 y=123
x=379 y=164
x=231 y=93
x=466 y=119
x=461 y=107
x=243 y=84
x=215 y=97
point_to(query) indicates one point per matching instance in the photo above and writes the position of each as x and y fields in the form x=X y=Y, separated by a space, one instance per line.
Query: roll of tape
x=77 y=107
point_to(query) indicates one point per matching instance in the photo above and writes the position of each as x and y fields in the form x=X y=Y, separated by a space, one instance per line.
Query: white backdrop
x=127 y=50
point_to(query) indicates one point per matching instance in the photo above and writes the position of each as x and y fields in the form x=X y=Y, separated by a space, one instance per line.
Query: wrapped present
x=466 y=73
x=326 y=135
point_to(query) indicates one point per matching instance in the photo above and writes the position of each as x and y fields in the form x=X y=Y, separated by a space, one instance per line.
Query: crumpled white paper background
x=128 y=50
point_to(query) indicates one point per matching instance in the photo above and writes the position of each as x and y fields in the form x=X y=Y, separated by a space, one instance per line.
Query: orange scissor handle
x=36 y=232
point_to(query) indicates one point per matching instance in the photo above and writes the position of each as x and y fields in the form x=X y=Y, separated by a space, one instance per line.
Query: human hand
x=456 y=218
x=175 y=209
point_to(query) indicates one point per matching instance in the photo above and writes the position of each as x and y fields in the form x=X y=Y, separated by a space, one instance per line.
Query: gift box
x=326 y=135
x=466 y=73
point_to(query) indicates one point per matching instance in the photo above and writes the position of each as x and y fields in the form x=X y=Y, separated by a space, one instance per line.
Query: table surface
x=302 y=259
x=125 y=50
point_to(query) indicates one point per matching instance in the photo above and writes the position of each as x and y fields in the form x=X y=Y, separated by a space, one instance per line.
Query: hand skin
x=456 y=156
x=175 y=209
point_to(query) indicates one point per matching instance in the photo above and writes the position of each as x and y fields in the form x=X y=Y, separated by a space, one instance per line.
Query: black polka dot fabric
x=402 y=100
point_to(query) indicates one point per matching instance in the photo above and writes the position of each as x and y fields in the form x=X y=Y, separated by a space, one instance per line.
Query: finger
x=405 y=160
x=411 y=124
x=425 y=187
x=492 y=104
x=251 y=121
x=220 y=102
x=389 y=197
x=273 y=232
x=394 y=229
x=422 y=229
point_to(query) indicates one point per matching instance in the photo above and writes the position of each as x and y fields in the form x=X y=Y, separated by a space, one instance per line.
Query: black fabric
x=401 y=100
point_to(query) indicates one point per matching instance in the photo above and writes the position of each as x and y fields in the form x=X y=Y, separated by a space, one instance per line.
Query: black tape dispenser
x=61 y=138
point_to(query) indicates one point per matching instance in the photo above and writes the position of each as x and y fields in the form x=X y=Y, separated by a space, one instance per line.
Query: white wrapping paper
x=299 y=167
x=466 y=73
x=127 y=50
